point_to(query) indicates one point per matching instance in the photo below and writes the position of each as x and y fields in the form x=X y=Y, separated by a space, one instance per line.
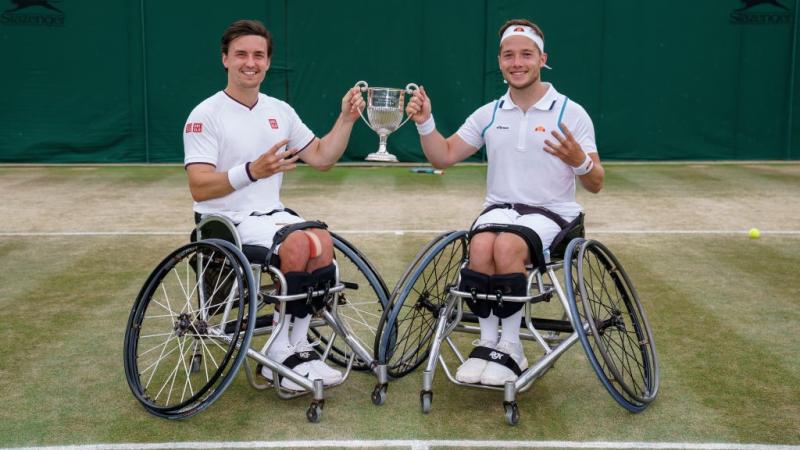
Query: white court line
x=394 y=232
x=424 y=445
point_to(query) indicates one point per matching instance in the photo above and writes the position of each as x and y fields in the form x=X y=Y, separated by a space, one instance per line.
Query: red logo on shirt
x=273 y=123
x=540 y=129
x=193 y=127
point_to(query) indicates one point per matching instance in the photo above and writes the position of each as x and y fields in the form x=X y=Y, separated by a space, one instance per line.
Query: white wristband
x=238 y=176
x=586 y=166
x=427 y=127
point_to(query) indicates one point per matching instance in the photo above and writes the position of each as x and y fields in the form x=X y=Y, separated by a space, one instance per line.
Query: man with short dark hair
x=537 y=143
x=237 y=145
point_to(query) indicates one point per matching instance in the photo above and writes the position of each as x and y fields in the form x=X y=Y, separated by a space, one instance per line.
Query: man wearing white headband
x=238 y=143
x=538 y=142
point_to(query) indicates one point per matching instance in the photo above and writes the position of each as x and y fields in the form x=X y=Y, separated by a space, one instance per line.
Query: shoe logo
x=496 y=355
x=304 y=355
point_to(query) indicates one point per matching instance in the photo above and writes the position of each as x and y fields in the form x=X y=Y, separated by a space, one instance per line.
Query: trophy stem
x=382 y=143
x=382 y=155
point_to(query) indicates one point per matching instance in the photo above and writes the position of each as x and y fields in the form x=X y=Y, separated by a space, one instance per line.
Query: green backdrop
x=662 y=80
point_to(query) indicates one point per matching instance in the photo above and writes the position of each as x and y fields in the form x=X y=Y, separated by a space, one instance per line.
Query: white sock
x=489 y=328
x=300 y=329
x=282 y=339
x=511 y=326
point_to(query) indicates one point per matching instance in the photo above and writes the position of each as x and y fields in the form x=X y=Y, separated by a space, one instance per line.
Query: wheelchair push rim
x=611 y=324
x=408 y=324
x=178 y=359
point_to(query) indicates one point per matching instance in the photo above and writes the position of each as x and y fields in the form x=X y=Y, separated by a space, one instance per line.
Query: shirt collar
x=546 y=103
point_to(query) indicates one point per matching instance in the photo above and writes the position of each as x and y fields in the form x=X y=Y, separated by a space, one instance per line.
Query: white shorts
x=544 y=227
x=260 y=230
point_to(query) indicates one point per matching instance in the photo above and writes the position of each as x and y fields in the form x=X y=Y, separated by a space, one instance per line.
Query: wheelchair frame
x=218 y=235
x=578 y=319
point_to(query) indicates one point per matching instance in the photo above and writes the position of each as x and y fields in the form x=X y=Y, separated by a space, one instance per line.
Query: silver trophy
x=385 y=111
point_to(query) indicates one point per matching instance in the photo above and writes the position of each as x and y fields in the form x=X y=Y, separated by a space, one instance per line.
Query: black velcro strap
x=300 y=358
x=574 y=229
x=529 y=236
x=281 y=234
x=524 y=210
x=472 y=280
x=492 y=355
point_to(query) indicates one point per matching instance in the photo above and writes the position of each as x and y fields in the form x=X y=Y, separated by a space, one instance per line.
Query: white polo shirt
x=225 y=133
x=519 y=169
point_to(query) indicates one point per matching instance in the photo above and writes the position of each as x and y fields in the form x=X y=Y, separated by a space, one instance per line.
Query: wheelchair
x=597 y=305
x=193 y=322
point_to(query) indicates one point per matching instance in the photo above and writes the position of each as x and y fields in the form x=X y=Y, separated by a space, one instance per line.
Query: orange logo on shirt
x=539 y=129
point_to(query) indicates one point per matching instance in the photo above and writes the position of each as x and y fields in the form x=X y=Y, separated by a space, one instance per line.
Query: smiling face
x=520 y=62
x=247 y=62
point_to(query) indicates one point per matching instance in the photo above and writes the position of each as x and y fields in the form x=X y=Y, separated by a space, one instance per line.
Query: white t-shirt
x=225 y=133
x=519 y=170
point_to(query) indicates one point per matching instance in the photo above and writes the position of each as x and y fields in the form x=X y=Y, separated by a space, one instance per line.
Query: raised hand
x=352 y=104
x=272 y=162
x=419 y=107
x=567 y=149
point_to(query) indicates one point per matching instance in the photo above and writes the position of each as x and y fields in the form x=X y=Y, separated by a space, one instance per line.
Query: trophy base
x=381 y=157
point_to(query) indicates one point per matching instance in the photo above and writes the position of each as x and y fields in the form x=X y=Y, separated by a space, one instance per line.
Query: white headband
x=524 y=30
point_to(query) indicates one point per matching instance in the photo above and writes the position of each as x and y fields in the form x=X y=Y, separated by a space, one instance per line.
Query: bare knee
x=326 y=254
x=294 y=252
x=481 y=253
x=510 y=253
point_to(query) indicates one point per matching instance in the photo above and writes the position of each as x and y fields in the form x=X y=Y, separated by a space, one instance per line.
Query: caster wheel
x=426 y=398
x=379 y=394
x=314 y=412
x=512 y=413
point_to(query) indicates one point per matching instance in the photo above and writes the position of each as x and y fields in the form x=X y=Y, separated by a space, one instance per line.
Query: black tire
x=408 y=324
x=361 y=304
x=168 y=326
x=618 y=342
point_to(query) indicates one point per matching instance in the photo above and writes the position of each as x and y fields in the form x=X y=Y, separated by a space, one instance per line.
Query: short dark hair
x=246 y=28
x=523 y=22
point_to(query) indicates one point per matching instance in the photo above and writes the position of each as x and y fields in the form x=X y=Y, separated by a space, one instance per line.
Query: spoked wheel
x=408 y=324
x=178 y=357
x=611 y=323
x=360 y=305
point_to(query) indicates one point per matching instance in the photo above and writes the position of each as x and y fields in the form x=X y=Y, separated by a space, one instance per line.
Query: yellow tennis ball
x=754 y=233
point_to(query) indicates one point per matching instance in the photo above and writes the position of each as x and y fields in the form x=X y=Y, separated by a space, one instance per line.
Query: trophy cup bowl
x=385 y=110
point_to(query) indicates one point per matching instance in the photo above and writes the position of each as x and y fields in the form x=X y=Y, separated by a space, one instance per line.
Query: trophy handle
x=362 y=86
x=410 y=88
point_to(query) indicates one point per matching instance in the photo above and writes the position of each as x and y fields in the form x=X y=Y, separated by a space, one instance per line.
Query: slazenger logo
x=761 y=12
x=33 y=13
x=501 y=127
x=495 y=355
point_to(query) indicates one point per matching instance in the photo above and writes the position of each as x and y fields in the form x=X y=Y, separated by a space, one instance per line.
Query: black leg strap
x=299 y=358
x=492 y=355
